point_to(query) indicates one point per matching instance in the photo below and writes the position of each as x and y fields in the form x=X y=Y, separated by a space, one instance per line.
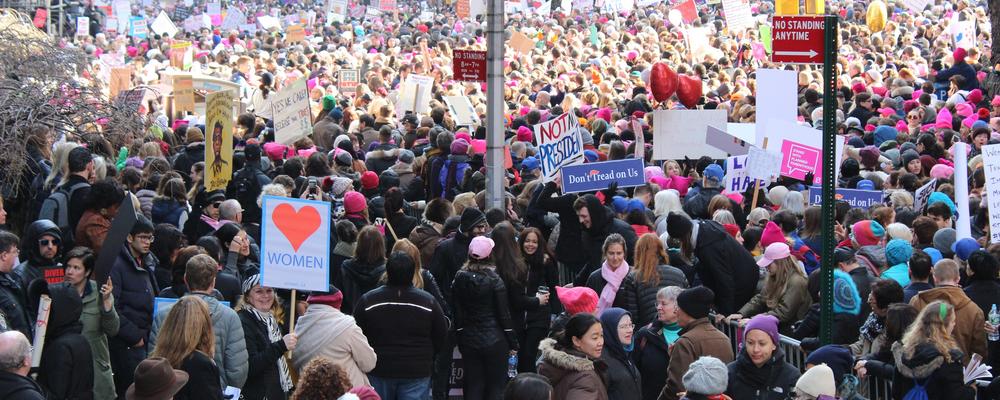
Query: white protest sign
x=963 y=227
x=162 y=25
x=292 y=116
x=736 y=180
x=991 y=168
x=583 y=5
x=680 y=133
x=295 y=244
x=777 y=99
x=559 y=144
x=268 y=22
x=730 y=144
x=921 y=195
x=646 y=3
x=963 y=33
x=763 y=164
x=462 y=110
x=82 y=26
x=415 y=94
x=123 y=12
x=41 y=325
x=738 y=15
x=234 y=18
x=916 y=6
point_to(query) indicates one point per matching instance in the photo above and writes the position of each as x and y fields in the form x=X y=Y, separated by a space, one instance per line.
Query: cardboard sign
x=295 y=34
x=736 y=180
x=921 y=195
x=121 y=79
x=991 y=168
x=559 y=145
x=218 y=139
x=763 y=164
x=521 y=43
x=131 y=99
x=680 y=133
x=214 y=11
x=856 y=198
x=183 y=93
x=295 y=244
x=415 y=95
x=137 y=28
x=41 y=18
x=292 y=115
x=738 y=15
x=462 y=110
x=348 y=81
x=597 y=176
x=337 y=7
x=82 y=26
x=179 y=55
x=234 y=19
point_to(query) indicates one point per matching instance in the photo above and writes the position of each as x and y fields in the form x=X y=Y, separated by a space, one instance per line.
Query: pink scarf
x=614 y=281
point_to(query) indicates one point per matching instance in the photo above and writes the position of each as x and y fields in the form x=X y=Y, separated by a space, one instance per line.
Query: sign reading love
x=295 y=244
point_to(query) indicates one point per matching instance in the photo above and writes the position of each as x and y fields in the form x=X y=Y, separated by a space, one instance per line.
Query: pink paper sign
x=798 y=160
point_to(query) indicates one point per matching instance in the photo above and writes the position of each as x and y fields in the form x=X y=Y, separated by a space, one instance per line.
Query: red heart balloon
x=689 y=90
x=662 y=81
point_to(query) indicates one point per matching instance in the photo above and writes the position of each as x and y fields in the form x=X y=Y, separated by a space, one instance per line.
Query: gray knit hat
x=707 y=376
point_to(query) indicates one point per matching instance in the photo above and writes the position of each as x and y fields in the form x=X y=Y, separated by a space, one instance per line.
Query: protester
x=542 y=274
x=624 y=381
x=13 y=302
x=760 y=370
x=326 y=332
x=785 y=294
x=67 y=364
x=322 y=379
x=572 y=362
x=968 y=332
x=699 y=338
x=98 y=316
x=267 y=341
x=528 y=386
x=187 y=343
x=651 y=274
x=651 y=353
x=362 y=273
x=15 y=354
x=612 y=280
x=928 y=359
x=41 y=246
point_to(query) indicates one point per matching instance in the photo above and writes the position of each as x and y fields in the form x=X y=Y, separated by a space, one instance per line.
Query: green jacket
x=98 y=325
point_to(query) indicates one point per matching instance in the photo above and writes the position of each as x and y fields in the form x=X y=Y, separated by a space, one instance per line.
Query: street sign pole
x=495 y=105
x=830 y=30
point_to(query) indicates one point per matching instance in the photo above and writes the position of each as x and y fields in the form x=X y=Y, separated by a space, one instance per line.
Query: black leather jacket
x=482 y=313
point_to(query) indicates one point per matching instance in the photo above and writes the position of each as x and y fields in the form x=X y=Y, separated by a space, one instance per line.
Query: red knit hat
x=577 y=299
x=333 y=298
x=354 y=202
x=959 y=55
x=732 y=229
x=369 y=180
x=867 y=233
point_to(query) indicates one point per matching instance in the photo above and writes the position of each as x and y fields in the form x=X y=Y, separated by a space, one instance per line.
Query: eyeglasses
x=46 y=242
x=217 y=204
x=626 y=326
x=911 y=116
x=146 y=238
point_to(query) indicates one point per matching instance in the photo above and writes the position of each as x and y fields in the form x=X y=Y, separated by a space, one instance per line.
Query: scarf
x=872 y=327
x=614 y=281
x=211 y=221
x=671 y=332
x=274 y=333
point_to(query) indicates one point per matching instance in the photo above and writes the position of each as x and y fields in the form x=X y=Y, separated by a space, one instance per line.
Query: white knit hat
x=817 y=381
x=707 y=376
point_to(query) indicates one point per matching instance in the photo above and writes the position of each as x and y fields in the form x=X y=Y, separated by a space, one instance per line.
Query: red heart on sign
x=297 y=226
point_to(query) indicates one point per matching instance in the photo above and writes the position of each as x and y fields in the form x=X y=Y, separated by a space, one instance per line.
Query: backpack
x=245 y=188
x=917 y=392
x=55 y=208
x=451 y=177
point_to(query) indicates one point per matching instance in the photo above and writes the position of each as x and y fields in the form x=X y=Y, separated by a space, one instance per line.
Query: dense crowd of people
x=622 y=293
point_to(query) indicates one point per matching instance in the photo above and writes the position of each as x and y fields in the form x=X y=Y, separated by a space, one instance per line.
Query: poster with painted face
x=219 y=155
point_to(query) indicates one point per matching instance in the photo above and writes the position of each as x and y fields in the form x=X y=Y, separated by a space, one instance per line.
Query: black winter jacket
x=773 y=381
x=725 y=267
x=941 y=379
x=203 y=379
x=449 y=257
x=624 y=299
x=17 y=387
x=602 y=224
x=645 y=294
x=697 y=205
x=543 y=275
x=33 y=265
x=13 y=305
x=263 y=379
x=482 y=314
x=134 y=289
x=405 y=351
x=570 y=231
x=807 y=329
x=624 y=381
x=651 y=356
x=358 y=279
x=188 y=156
x=66 y=370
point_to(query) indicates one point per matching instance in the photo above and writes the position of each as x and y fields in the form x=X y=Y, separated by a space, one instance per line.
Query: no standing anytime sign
x=798 y=40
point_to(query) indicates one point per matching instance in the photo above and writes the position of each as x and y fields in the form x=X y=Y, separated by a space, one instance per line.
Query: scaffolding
x=57 y=20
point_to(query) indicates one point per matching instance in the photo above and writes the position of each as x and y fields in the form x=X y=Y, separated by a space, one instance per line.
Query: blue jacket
x=134 y=290
x=963 y=69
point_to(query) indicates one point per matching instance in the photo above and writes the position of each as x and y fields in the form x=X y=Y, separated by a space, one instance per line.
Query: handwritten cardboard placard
x=292 y=115
x=559 y=144
x=991 y=167
x=183 y=93
x=295 y=34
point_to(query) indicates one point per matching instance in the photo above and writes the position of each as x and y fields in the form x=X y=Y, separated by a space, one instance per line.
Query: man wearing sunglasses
x=40 y=249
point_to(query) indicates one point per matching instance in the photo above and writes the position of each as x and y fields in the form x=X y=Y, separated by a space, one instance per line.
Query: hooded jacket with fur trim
x=928 y=367
x=572 y=374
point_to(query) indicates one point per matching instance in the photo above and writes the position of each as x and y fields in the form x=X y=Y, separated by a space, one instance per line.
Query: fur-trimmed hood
x=562 y=359
x=923 y=362
x=380 y=153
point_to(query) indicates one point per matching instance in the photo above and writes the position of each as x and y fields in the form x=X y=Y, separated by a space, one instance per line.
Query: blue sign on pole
x=597 y=176
x=856 y=198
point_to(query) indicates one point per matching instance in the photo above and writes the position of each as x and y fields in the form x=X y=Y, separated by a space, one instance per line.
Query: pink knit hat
x=772 y=234
x=942 y=171
x=354 y=202
x=943 y=119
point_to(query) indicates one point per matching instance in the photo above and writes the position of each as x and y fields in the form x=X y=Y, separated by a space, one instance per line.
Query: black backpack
x=245 y=188
x=55 y=208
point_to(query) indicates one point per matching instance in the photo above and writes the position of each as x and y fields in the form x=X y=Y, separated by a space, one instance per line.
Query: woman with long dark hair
x=482 y=317
x=513 y=270
x=168 y=244
x=543 y=273
x=363 y=272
